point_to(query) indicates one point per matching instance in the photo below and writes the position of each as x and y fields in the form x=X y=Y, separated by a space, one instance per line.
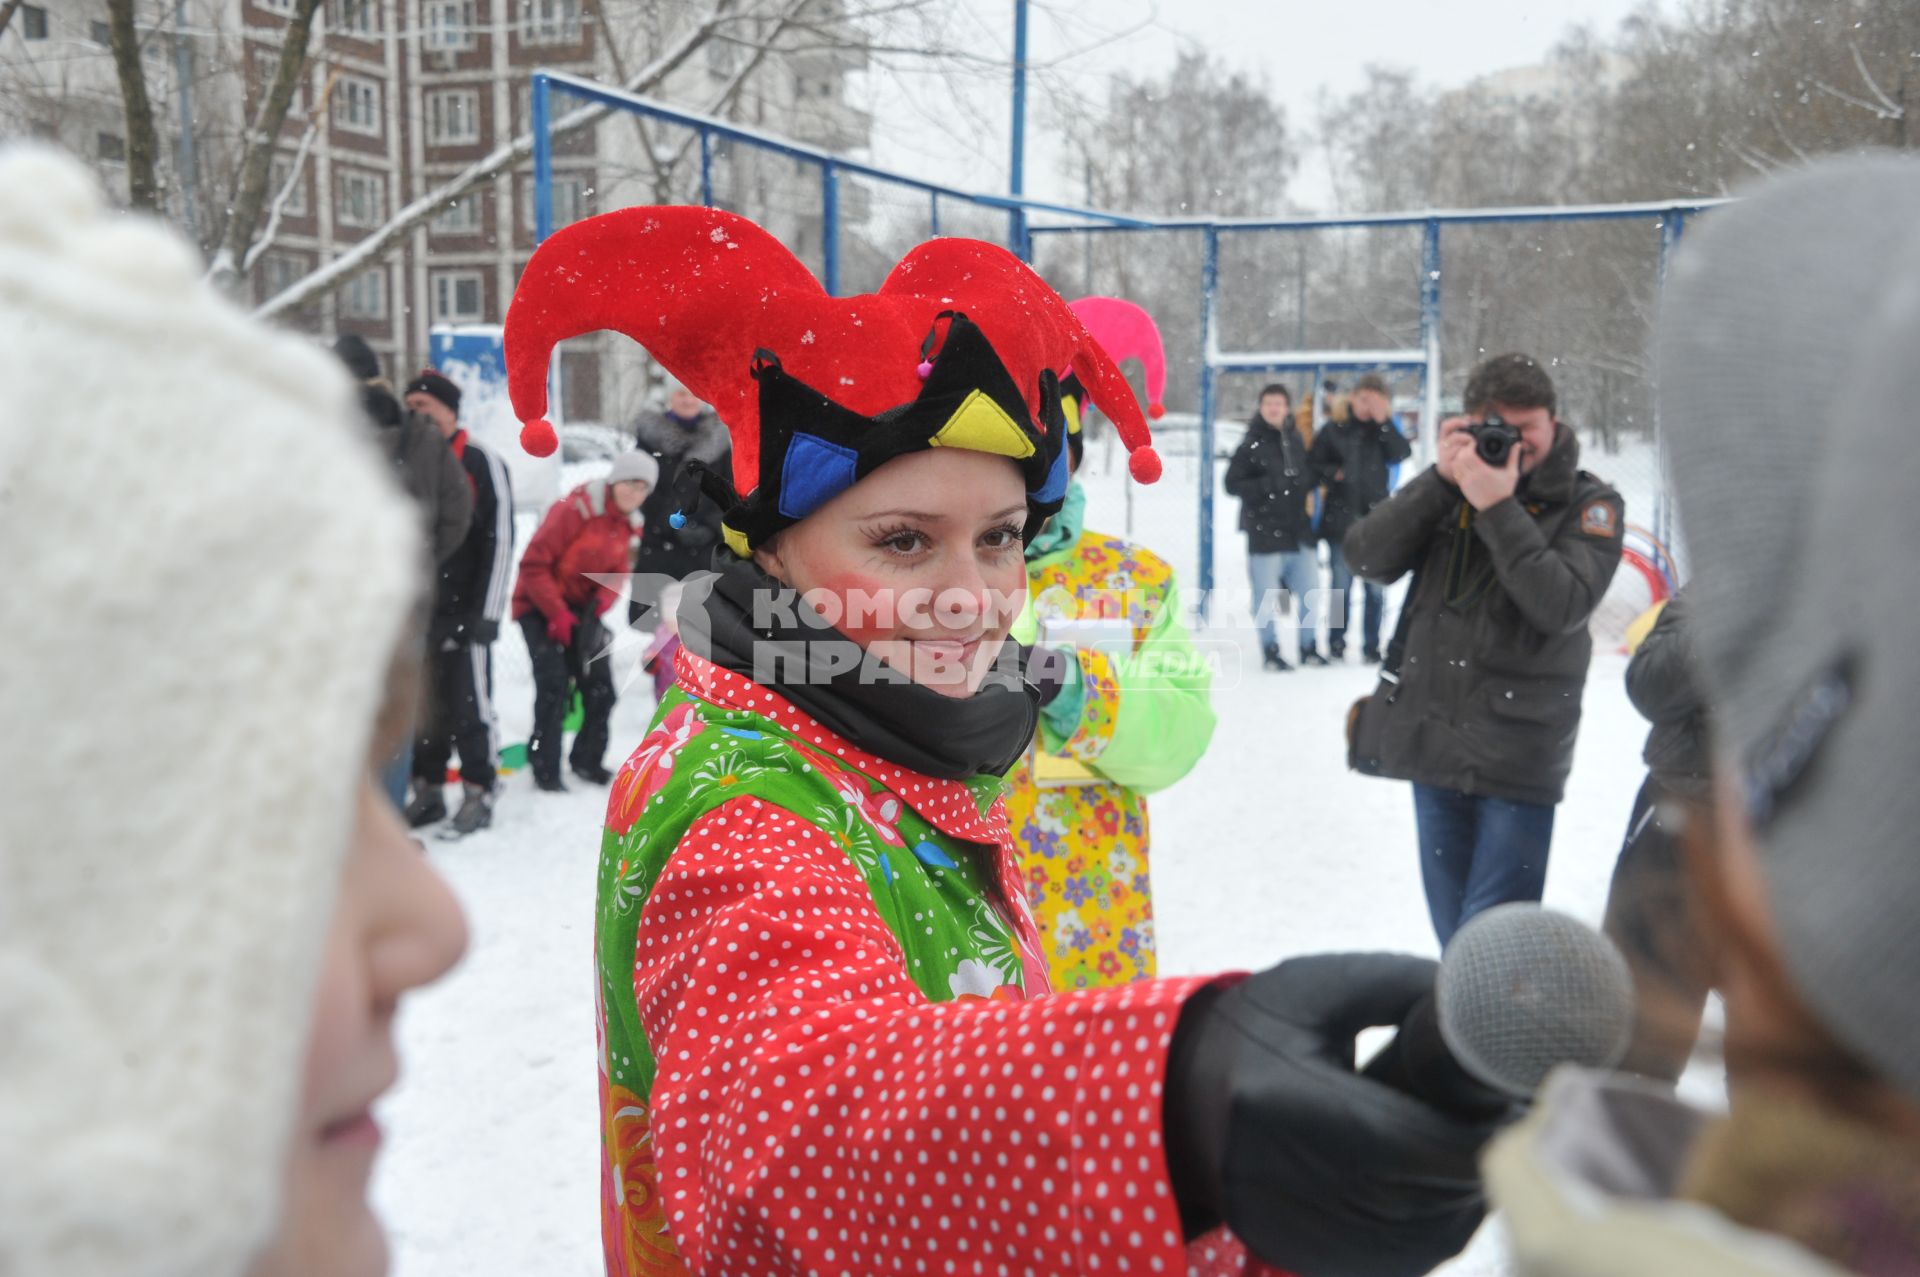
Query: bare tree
x=237 y=217
x=236 y=238
x=143 y=190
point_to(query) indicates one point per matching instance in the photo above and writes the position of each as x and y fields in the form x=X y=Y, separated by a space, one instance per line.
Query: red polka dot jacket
x=825 y=1045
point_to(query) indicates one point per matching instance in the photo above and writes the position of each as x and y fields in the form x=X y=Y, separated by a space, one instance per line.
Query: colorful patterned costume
x=1143 y=723
x=814 y=1053
x=817 y=1049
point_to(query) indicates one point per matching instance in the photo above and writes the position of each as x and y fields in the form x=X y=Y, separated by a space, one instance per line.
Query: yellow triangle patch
x=981 y=425
x=736 y=541
x=1071 y=407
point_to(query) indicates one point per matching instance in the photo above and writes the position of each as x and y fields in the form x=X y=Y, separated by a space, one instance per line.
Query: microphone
x=1521 y=990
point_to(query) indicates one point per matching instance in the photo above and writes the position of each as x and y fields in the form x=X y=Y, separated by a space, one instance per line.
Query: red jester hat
x=957 y=349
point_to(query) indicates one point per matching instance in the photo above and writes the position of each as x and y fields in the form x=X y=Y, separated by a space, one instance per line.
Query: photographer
x=1512 y=547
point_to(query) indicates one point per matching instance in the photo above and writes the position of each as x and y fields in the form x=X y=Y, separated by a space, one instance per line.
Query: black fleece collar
x=848 y=691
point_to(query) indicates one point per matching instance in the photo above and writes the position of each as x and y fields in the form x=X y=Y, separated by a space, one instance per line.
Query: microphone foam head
x=1523 y=990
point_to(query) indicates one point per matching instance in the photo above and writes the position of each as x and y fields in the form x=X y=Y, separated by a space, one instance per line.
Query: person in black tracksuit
x=469 y=600
x=1649 y=914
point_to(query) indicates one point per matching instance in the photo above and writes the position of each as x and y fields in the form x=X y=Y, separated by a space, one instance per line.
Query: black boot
x=1270 y=658
x=428 y=806
x=475 y=814
x=592 y=773
x=1311 y=656
x=549 y=784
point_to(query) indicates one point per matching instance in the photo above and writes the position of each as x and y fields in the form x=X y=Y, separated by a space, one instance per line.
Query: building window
x=363 y=199
x=572 y=198
x=460 y=217
x=365 y=295
x=279 y=272
x=102 y=35
x=33 y=22
x=278 y=171
x=550 y=21
x=459 y=297
x=356 y=105
x=357 y=17
x=112 y=147
x=453 y=117
x=449 y=25
x=274 y=6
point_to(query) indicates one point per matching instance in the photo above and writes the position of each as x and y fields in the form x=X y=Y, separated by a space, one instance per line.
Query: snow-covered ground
x=1270 y=848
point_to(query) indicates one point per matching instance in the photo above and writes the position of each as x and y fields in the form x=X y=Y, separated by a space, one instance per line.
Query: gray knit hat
x=635 y=464
x=1788 y=357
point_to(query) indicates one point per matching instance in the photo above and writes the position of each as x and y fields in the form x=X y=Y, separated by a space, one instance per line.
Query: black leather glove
x=483 y=631
x=1318 y=1170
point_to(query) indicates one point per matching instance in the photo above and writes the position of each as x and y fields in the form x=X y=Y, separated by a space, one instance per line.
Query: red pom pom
x=1144 y=465
x=538 y=438
x=1156 y=410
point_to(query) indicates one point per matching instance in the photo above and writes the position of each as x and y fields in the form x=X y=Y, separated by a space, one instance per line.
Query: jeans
x=1477 y=852
x=1340 y=608
x=1297 y=572
x=394 y=775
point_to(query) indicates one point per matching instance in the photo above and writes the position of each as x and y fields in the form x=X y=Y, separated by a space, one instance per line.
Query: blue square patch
x=1057 y=479
x=814 y=473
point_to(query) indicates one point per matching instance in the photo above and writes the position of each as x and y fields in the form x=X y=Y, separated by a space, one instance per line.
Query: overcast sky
x=934 y=128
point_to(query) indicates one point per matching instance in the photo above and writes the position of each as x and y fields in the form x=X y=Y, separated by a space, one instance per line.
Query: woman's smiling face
x=920 y=563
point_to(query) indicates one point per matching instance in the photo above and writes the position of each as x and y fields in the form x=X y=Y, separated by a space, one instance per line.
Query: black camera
x=1494 y=440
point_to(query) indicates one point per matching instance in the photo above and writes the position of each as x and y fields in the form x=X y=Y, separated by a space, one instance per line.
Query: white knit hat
x=635 y=465
x=206 y=574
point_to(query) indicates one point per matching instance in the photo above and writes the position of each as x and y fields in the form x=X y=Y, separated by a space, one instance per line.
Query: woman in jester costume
x=1128 y=718
x=826 y=1043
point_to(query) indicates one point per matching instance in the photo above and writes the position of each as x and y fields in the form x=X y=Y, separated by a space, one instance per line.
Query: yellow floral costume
x=1136 y=722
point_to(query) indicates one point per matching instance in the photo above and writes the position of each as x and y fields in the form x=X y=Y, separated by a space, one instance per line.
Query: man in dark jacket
x=1479 y=701
x=1649 y=914
x=684 y=432
x=426 y=468
x=469 y=600
x=1353 y=458
x=1271 y=476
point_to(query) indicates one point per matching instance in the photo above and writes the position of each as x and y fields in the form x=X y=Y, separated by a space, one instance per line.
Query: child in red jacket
x=589 y=533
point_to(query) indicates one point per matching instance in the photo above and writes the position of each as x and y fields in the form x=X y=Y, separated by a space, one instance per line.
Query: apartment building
x=398 y=97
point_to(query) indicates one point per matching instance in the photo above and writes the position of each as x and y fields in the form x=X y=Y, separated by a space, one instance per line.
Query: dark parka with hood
x=1496 y=645
x=1664 y=687
x=1272 y=478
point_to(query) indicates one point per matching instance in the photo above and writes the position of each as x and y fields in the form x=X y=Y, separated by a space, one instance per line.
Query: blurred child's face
x=396 y=928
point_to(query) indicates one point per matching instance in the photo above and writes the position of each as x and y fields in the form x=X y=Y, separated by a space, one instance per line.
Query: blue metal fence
x=1066 y=219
